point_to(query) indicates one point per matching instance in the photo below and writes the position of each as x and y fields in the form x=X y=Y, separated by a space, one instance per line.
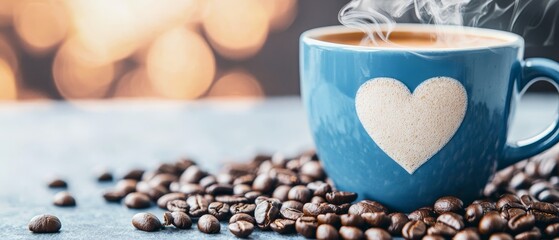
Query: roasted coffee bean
x=433 y=237
x=57 y=183
x=466 y=234
x=500 y=236
x=105 y=176
x=207 y=181
x=526 y=200
x=414 y=230
x=544 y=212
x=377 y=234
x=552 y=230
x=299 y=193
x=192 y=174
x=242 y=217
x=266 y=212
x=241 y=229
x=219 y=210
x=242 y=208
x=198 y=205
x=376 y=219
x=448 y=204
x=312 y=169
x=241 y=189
x=155 y=192
x=220 y=189
x=397 y=222
x=319 y=188
x=492 y=222
x=487 y=205
x=245 y=179
x=178 y=205
x=451 y=219
x=162 y=179
x=263 y=183
x=284 y=176
x=44 y=223
x=64 y=199
x=352 y=220
x=146 y=222
x=330 y=219
x=167 y=168
x=533 y=234
x=191 y=189
x=281 y=192
x=260 y=199
x=430 y=221
x=520 y=180
x=306 y=226
x=474 y=213
x=317 y=199
x=442 y=230
x=343 y=208
x=251 y=196
x=134 y=174
x=366 y=206
x=350 y=233
x=314 y=209
x=178 y=219
x=326 y=232
x=283 y=226
x=549 y=195
x=137 y=200
x=208 y=224
x=163 y=200
x=113 y=196
x=510 y=212
x=126 y=186
x=290 y=213
x=521 y=222
x=509 y=200
x=338 y=198
x=419 y=214
x=292 y=204
x=231 y=199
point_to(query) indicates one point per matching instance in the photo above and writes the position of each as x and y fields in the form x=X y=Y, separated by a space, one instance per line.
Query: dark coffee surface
x=103 y=136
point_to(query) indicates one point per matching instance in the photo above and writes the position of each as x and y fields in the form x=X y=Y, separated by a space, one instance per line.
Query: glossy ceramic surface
x=493 y=78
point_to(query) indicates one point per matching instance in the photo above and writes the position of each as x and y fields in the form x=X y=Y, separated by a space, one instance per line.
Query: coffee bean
x=260 y=199
x=292 y=204
x=242 y=217
x=220 y=189
x=242 y=208
x=192 y=174
x=113 y=196
x=319 y=188
x=241 y=229
x=162 y=179
x=376 y=219
x=169 y=168
x=486 y=205
x=266 y=212
x=500 y=236
x=207 y=181
x=283 y=226
x=57 y=183
x=508 y=200
x=521 y=222
x=126 y=186
x=544 y=212
x=281 y=192
x=451 y=219
x=338 y=198
x=252 y=195
x=312 y=169
x=352 y=220
x=466 y=234
x=549 y=195
x=330 y=219
x=526 y=200
x=178 y=219
x=163 y=200
x=44 y=223
x=284 y=176
x=552 y=230
x=533 y=234
x=430 y=221
x=414 y=230
x=137 y=200
x=448 y=204
x=510 y=212
x=241 y=189
x=219 y=210
x=208 y=224
x=134 y=174
x=198 y=205
x=397 y=222
x=350 y=233
x=492 y=222
x=178 y=205
x=419 y=214
x=314 y=209
x=520 y=180
x=366 y=206
x=263 y=183
x=155 y=192
x=343 y=208
x=377 y=234
x=290 y=213
x=245 y=179
x=317 y=199
x=299 y=193
x=442 y=230
x=64 y=199
x=306 y=226
x=146 y=222
x=474 y=213
x=231 y=199
x=326 y=232
x=105 y=176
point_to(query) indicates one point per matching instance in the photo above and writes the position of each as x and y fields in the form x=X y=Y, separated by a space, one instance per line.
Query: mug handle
x=534 y=69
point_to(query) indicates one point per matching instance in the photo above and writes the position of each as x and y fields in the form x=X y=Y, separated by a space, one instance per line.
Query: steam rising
x=366 y=15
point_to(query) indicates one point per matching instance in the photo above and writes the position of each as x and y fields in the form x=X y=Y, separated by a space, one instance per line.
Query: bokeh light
x=7 y=82
x=236 y=29
x=281 y=13
x=41 y=24
x=236 y=84
x=180 y=64
x=76 y=76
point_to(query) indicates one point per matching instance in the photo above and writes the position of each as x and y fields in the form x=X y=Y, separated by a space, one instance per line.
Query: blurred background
x=190 y=49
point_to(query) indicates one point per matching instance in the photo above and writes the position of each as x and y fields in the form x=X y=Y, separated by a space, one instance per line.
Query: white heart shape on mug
x=411 y=128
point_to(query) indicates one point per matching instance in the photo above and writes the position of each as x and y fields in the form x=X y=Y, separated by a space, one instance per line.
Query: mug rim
x=510 y=39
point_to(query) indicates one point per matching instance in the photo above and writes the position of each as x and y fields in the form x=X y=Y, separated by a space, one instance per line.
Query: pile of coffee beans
x=294 y=195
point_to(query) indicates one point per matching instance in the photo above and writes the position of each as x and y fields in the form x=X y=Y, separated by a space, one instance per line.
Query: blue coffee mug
x=405 y=126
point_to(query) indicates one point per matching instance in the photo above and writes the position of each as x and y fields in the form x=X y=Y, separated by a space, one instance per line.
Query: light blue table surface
x=45 y=139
